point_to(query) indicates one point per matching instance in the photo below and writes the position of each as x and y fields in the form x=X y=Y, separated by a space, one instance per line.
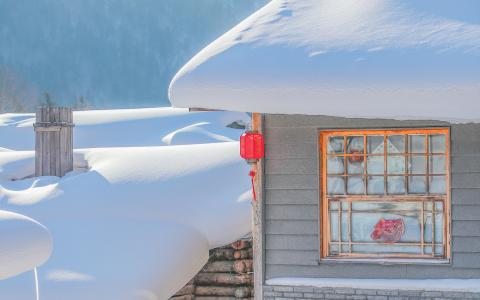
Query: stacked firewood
x=228 y=275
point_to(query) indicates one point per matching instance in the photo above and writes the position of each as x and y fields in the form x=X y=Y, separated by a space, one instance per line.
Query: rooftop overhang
x=403 y=59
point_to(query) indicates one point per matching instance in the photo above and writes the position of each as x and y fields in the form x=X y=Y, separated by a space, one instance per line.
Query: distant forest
x=103 y=53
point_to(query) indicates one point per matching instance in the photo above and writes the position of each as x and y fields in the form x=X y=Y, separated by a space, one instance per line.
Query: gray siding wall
x=292 y=201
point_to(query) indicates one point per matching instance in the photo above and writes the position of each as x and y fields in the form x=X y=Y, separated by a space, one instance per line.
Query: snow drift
x=130 y=222
x=353 y=58
x=24 y=244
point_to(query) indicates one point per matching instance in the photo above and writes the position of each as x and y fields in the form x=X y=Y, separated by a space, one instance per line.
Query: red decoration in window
x=388 y=231
x=357 y=157
x=252 y=146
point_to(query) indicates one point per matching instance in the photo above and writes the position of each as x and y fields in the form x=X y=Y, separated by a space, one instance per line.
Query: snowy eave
x=354 y=58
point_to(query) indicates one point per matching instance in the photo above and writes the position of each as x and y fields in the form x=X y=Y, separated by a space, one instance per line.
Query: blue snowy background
x=104 y=53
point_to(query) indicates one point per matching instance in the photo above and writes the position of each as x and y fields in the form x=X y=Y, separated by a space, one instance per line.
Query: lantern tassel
x=252 y=175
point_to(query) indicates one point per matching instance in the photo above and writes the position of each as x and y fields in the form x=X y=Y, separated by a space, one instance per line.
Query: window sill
x=386 y=261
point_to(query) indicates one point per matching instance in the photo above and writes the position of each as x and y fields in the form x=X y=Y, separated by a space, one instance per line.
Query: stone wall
x=297 y=293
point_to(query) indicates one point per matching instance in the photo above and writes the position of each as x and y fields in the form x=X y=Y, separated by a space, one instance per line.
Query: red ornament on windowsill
x=388 y=231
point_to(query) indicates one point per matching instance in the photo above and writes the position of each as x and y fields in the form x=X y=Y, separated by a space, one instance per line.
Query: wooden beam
x=257 y=230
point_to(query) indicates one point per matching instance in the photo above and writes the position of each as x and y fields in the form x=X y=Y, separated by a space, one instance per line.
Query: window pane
x=335 y=165
x=438 y=164
x=396 y=185
x=335 y=144
x=416 y=143
x=417 y=164
x=439 y=228
x=438 y=143
x=396 y=164
x=375 y=144
x=439 y=206
x=376 y=185
x=439 y=251
x=355 y=165
x=333 y=205
x=375 y=164
x=428 y=228
x=417 y=185
x=334 y=226
x=355 y=144
x=335 y=185
x=396 y=144
x=438 y=184
x=334 y=249
x=355 y=185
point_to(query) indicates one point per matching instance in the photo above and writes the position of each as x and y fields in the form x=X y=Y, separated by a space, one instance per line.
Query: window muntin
x=385 y=193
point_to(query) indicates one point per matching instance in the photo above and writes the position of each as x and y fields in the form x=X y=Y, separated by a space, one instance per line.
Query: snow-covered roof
x=353 y=58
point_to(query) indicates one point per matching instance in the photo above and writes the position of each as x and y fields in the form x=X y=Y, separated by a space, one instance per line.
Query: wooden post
x=53 y=141
x=257 y=230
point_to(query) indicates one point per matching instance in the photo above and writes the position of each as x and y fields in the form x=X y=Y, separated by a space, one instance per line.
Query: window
x=385 y=194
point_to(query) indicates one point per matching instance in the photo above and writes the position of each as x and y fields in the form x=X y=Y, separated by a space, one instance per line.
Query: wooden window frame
x=325 y=198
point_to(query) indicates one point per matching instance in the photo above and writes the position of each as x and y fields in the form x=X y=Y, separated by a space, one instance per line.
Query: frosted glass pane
x=335 y=185
x=439 y=206
x=396 y=185
x=334 y=249
x=428 y=227
x=437 y=164
x=396 y=144
x=334 y=226
x=344 y=227
x=396 y=165
x=355 y=166
x=417 y=164
x=416 y=144
x=438 y=143
x=335 y=145
x=375 y=164
x=376 y=185
x=438 y=185
x=333 y=205
x=427 y=250
x=335 y=165
x=355 y=144
x=439 y=250
x=439 y=228
x=375 y=144
x=428 y=206
x=355 y=185
x=417 y=185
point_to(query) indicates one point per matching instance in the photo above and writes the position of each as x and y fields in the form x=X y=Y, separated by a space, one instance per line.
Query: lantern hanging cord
x=252 y=175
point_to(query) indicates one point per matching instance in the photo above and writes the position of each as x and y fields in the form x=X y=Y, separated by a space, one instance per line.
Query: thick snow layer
x=131 y=222
x=354 y=58
x=463 y=285
x=24 y=244
x=127 y=128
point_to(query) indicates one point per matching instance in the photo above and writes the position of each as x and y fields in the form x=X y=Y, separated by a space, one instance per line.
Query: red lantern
x=252 y=146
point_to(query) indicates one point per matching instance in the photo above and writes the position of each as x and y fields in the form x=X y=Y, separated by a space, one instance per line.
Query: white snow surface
x=24 y=244
x=460 y=285
x=401 y=59
x=131 y=222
